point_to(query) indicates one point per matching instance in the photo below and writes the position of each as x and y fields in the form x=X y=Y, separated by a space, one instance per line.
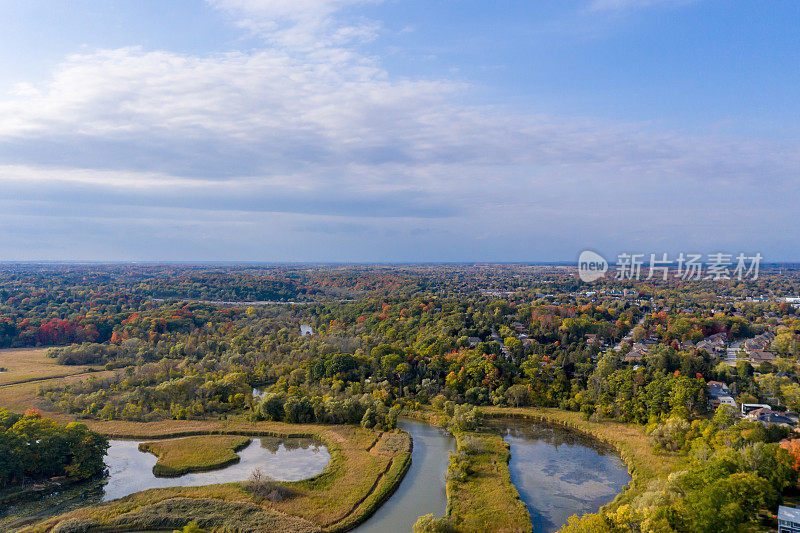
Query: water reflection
x=129 y=471
x=422 y=490
x=559 y=472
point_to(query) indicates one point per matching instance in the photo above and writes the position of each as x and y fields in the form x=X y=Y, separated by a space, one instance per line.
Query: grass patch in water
x=480 y=495
x=194 y=454
x=365 y=468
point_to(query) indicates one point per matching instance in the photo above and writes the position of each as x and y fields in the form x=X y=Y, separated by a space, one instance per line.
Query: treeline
x=736 y=469
x=33 y=448
x=366 y=411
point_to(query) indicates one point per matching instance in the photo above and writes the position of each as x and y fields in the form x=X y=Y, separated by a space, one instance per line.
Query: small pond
x=129 y=471
x=559 y=472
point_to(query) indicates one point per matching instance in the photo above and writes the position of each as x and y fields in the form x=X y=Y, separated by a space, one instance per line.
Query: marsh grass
x=480 y=495
x=21 y=365
x=194 y=454
x=362 y=473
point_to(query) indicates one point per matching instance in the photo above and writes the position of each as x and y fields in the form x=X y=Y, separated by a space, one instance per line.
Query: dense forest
x=186 y=342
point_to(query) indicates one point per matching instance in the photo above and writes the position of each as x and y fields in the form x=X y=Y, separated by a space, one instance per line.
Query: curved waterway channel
x=557 y=472
x=130 y=470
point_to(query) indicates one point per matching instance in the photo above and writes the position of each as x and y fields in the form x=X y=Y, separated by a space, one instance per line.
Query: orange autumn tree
x=793 y=447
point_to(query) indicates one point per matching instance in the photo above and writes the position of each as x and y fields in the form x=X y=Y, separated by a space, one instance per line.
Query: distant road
x=238 y=304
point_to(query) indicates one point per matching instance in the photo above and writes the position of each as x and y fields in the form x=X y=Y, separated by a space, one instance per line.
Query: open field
x=365 y=468
x=21 y=396
x=487 y=500
x=194 y=454
x=32 y=364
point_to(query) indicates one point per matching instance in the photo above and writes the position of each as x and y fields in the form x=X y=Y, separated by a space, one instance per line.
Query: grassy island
x=480 y=495
x=194 y=454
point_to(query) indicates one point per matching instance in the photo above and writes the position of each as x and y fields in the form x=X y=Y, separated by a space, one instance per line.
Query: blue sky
x=368 y=130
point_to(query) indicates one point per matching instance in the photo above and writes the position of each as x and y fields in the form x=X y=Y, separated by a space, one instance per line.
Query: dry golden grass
x=21 y=396
x=28 y=364
x=194 y=454
x=365 y=468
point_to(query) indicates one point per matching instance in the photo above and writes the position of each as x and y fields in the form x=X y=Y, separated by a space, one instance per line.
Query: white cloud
x=309 y=127
x=299 y=24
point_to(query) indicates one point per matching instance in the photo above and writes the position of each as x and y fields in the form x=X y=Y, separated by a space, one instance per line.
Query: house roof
x=759 y=412
x=761 y=355
x=792 y=514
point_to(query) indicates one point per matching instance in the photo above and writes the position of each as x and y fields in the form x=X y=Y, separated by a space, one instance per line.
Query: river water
x=422 y=490
x=556 y=471
x=559 y=473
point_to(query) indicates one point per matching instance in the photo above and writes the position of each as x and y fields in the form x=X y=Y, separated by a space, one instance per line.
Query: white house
x=788 y=519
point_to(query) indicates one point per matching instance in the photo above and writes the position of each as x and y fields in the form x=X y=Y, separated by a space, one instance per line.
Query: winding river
x=422 y=489
x=556 y=471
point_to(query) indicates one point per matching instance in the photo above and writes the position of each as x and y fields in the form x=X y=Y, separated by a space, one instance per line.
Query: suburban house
x=747 y=407
x=716 y=344
x=788 y=519
x=636 y=354
x=766 y=416
x=717 y=388
x=760 y=356
x=719 y=394
x=759 y=342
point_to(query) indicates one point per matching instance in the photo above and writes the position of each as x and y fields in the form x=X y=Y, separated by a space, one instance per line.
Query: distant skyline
x=398 y=131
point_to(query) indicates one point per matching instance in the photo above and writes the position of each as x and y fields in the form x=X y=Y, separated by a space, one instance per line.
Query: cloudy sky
x=398 y=130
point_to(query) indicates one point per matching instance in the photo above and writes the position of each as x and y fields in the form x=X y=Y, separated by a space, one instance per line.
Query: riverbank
x=365 y=467
x=485 y=502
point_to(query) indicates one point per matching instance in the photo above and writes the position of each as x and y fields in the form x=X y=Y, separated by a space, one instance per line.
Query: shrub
x=191 y=527
x=459 y=468
x=472 y=445
x=671 y=435
x=465 y=418
x=261 y=485
x=438 y=401
x=429 y=524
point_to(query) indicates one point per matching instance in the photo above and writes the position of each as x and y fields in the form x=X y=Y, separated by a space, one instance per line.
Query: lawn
x=194 y=454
